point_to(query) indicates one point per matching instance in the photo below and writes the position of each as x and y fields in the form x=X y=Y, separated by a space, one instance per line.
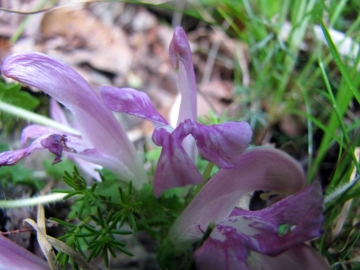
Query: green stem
x=35 y=118
x=202 y=240
x=32 y=201
x=207 y=171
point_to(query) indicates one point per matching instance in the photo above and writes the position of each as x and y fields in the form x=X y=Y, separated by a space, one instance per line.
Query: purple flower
x=250 y=239
x=220 y=144
x=102 y=140
x=13 y=256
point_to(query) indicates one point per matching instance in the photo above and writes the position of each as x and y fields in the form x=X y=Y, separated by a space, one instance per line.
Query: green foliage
x=12 y=94
x=101 y=215
x=103 y=209
x=157 y=215
x=168 y=260
x=17 y=174
x=57 y=171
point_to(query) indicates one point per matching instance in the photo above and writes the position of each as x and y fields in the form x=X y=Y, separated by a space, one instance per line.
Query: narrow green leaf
x=338 y=61
x=63 y=222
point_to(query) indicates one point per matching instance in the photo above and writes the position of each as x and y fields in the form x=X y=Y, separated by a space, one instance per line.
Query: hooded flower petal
x=181 y=58
x=259 y=230
x=132 y=102
x=259 y=169
x=180 y=55
x=13 y=256
x=95 y=122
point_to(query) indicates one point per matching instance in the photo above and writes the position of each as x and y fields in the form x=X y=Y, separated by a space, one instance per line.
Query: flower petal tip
x=179 y=48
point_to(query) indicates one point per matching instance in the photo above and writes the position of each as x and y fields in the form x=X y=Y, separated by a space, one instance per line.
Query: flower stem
x=207 y=171
x=35 y=118
x=32 y=201
x=202 y=240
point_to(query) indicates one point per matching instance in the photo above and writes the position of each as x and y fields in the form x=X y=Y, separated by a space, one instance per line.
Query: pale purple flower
x=249 y=239
x=220 y=144
x=13 y=256
x=102 y=140
x=89 y=168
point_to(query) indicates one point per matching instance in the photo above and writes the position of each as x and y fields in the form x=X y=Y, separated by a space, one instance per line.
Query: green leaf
x=339 y=62
x=12 y=94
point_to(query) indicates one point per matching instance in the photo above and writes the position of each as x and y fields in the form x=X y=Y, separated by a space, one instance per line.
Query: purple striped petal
x=132 y=102
x=223 y=144
x=96 y=123
x=258 y=230
x=13 y=256
x=259 y=169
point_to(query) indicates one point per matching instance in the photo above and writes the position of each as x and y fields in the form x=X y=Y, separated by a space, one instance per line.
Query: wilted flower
x=220 y=144
x=247 y=239
x=102 y=140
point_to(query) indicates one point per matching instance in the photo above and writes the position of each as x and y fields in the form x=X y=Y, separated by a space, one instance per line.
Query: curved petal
x=175 y=168
x=258 y=169
x=95 y=122
x=132 y=102
x=35 y=131
x=56 y=143
x=13 y=256
x=9 y=158
x=180 y=56
x=223 y=144
x=297 y=258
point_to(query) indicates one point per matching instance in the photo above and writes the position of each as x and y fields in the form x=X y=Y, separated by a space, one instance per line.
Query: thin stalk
x=32 y=201
x=35 y=118
x=202 y=240
x=338 y=114
x=207 y=171
x=310 y=131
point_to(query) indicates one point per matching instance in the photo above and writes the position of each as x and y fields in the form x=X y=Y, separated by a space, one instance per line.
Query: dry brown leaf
x=103 y=47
